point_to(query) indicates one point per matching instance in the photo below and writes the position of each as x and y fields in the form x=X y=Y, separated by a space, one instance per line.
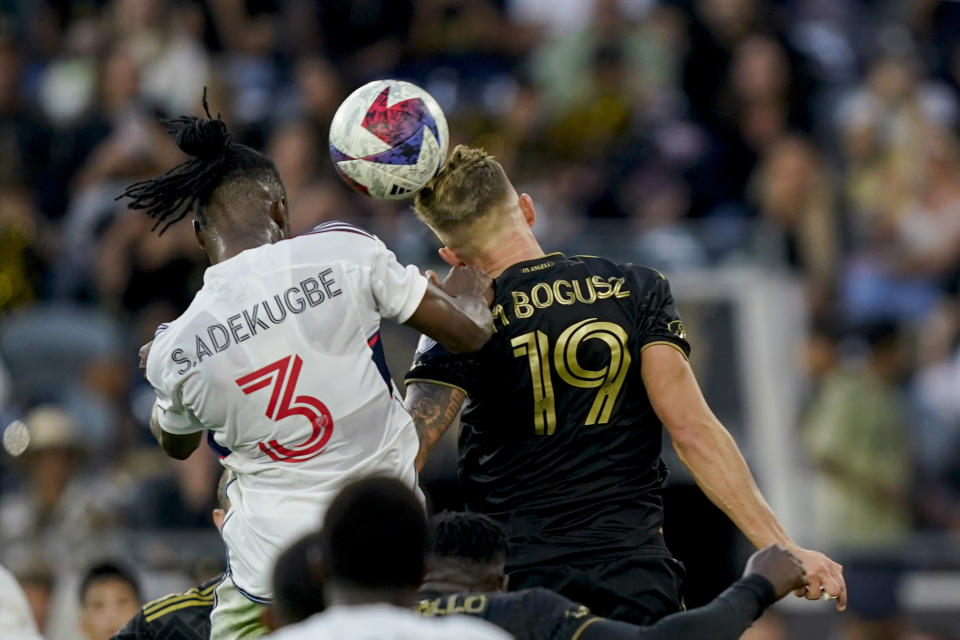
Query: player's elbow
x=177 y=452
x=179 y=447
x=689 y=435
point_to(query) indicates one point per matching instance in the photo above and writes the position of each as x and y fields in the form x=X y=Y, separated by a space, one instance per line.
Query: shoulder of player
x=644 y=277
x=200 y=596
x=339 y=242
x=336 y=233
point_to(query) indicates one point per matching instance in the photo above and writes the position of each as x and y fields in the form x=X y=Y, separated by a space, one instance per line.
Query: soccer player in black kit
x=465 y=575
x=561 y=432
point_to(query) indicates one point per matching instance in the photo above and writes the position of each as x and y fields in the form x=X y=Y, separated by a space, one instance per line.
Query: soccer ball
x=388 y=138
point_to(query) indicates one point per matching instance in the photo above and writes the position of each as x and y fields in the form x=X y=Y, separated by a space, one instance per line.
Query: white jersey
x=16 y=621
x=386 y=622
x=279 y=358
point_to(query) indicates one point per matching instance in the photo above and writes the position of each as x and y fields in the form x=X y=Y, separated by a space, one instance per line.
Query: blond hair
x=469 y=187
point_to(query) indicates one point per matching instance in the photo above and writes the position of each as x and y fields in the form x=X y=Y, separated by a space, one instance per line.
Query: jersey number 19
x=535 y=346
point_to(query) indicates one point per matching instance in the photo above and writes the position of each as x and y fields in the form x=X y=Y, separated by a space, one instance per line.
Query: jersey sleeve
x=434 y=364
x=135 y=629
x=658 y=320
x=397 y=290
x=173 y=416
x=725 y=618
x=567 y=618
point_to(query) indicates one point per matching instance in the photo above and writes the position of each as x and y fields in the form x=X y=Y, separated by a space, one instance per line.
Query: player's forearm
x=725 y=618
x=462 y=324
x=434 y=408
x=721 y=472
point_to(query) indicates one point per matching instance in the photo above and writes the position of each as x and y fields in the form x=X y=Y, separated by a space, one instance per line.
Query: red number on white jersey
x=283 y=375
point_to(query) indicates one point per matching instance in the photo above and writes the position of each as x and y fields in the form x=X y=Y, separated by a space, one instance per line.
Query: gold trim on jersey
x=579 y=632
x=668 y=343
x=160 y=603
x=176 y=605
x=410 y=381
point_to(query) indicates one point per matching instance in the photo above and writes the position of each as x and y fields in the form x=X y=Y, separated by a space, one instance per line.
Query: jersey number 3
x=535 y=346
x=282 y=375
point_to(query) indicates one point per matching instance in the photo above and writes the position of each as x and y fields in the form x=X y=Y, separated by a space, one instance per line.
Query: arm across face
x=456 y=313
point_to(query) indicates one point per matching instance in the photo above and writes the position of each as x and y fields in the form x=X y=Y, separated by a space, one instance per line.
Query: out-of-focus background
x=792 y=165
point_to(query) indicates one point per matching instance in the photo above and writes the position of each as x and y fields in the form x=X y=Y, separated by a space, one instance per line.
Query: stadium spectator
x=791 y=189
x=109 y=596
x=59 y=512
x=856 y=435
x=185 y=614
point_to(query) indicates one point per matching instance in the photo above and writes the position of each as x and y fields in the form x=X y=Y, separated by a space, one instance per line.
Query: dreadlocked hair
x=169 y=197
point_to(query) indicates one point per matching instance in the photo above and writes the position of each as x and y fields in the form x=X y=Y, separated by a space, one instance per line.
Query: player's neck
x=451 y=586
x=221 y=247
x=495 y=262
x=354 y=596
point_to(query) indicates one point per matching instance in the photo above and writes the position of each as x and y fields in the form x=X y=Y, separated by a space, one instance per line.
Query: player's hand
x=783 y=569
x=466 y=281
x=824 y=575
x=144 y=353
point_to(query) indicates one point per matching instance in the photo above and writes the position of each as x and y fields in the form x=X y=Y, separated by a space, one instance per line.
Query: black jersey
x=178 y=616
x=558 y=440
x=531 y=614
x=541 y=614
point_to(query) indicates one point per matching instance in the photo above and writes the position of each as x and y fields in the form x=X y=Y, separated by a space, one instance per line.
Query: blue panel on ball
x=407 y=152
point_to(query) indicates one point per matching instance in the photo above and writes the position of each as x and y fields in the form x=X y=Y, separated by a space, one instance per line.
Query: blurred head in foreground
x=298 y=582
x=374 y=539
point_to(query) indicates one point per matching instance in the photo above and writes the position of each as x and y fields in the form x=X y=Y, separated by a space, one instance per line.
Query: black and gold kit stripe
x=196 y=597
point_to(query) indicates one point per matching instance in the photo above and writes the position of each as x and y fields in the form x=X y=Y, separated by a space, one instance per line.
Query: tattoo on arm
x=433 y=408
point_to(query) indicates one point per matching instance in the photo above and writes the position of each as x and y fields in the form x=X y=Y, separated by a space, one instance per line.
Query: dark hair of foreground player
x=375 y=536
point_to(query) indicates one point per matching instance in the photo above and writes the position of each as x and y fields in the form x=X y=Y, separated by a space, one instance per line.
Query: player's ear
x=218 y=515
x=451 y=258
x=528 y=210
x=280 y=216
x=198 y=233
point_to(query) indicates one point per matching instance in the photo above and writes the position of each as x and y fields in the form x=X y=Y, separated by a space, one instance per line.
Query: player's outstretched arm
x=771 y=574
x=433 y=408
x=456 y=313
x=718 y=467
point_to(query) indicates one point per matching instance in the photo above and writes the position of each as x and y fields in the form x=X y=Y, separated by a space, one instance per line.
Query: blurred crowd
x=816 y=138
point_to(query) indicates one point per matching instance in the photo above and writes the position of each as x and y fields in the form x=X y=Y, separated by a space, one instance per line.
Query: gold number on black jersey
x=535 y=345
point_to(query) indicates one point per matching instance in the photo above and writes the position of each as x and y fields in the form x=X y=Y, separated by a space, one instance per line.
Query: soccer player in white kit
x=279 y=357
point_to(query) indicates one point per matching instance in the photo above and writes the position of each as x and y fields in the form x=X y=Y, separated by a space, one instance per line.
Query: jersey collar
x=546 y=261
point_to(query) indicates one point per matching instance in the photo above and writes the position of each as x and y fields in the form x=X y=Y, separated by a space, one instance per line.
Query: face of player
x=108 y=605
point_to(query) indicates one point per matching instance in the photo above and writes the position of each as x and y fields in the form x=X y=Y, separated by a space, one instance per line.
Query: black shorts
x=639 y=588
